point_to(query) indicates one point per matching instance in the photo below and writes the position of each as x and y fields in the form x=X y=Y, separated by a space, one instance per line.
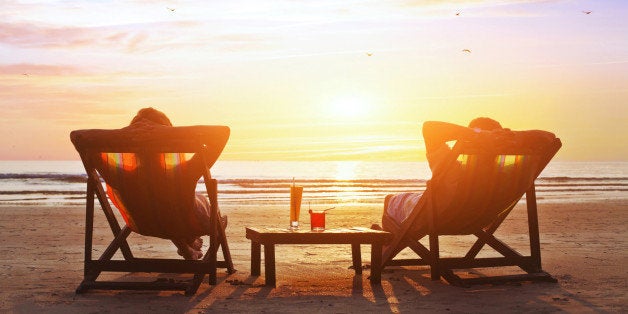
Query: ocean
x=55 y=183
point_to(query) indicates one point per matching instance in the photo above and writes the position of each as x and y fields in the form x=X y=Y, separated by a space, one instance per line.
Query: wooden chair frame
x=207 y=141
x=443 y=267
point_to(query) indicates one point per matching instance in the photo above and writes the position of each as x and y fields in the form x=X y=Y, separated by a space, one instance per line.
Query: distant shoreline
x=63 y=183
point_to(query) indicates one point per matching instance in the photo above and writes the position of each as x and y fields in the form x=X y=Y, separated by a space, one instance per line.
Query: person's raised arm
x=195 y=167
x=437 y=133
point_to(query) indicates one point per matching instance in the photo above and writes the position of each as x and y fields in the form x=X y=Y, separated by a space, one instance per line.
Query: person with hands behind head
x=194 y=209
x=436 y=135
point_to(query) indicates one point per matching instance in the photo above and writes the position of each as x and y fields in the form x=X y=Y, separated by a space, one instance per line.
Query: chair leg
x=211 y=256
x=533 y=228
x=435 y=256
x=390 y=251
x=193 y=287
x=453 y=279
x=226 y=253
x=217 y=237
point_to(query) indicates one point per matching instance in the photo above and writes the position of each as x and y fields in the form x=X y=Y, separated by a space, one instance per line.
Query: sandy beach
x=584 y=245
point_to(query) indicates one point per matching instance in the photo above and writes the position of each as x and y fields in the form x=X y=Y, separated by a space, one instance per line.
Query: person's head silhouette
x=153 y=115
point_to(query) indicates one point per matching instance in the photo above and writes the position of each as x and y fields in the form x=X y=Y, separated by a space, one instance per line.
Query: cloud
x=131 y=37
x=465 y=3
x=39 y=69
x=53 y=107
x=85 y=101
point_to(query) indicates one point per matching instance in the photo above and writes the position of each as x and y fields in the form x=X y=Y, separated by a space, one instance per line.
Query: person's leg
x=190 y=248
x=186 y=250
x=397 y=207
x=386 y=202
x=196 y=243
x=203 y=212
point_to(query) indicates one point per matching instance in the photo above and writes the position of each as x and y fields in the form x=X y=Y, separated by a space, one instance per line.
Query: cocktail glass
x=296 y=192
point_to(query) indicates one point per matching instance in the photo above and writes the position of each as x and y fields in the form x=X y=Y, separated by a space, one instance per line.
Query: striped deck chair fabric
x=163 y=210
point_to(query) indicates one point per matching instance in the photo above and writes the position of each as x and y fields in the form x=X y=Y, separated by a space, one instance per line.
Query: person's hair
x=485 y=124
x=153 y=115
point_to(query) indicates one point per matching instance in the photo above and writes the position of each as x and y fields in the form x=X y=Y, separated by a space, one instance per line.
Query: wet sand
x=584 y=245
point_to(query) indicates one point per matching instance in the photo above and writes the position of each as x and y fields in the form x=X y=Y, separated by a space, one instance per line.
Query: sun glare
x=349 y=107
x=346 y=170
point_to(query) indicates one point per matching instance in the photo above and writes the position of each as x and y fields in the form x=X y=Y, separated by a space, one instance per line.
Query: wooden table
x=269 y=237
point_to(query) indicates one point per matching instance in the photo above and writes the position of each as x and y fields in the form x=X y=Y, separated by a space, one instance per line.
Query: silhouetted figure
x=191 y=171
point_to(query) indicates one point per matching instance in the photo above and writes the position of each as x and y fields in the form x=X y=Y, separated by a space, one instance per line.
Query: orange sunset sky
x=315 y=80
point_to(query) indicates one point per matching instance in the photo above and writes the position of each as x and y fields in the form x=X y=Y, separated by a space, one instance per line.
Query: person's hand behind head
x=152 y=115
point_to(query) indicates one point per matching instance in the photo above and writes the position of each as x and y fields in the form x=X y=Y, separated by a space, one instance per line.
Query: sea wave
x=564 y=178
x=44 y=192
x=69 y=178
x=77 y=178
x=64 y=182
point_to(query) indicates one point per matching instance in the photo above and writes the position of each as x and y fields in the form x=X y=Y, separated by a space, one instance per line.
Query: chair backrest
x=151 y=172
x=489 y=179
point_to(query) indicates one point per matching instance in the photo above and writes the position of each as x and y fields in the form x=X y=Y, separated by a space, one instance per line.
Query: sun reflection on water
x=345 y=172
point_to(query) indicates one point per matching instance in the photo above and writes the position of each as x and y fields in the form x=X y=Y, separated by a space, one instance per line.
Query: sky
x=315 y=80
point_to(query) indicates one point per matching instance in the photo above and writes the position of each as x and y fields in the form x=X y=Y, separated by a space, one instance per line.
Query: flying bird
x=587 y=12
x=369 y=54
x=171 y=9
x=466 y=50
x=457 y=13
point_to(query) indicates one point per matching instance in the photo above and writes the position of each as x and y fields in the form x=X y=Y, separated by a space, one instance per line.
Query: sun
x=349 y=107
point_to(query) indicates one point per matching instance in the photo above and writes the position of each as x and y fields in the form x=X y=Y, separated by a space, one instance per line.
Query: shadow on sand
x=402 y=290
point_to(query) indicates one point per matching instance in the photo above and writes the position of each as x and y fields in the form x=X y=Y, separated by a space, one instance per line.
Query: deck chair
x=114 y=154
x=493 y=180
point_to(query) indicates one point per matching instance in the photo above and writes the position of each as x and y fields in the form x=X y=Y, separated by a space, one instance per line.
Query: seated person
x=481 y=131
x=196 y=223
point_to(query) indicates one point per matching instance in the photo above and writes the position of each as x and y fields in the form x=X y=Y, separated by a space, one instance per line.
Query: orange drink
x=296 y=192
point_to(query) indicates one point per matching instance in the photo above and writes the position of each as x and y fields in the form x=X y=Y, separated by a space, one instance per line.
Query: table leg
x=269 y=264
x=376 y=263
x=356 y=255
x=255 y=258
